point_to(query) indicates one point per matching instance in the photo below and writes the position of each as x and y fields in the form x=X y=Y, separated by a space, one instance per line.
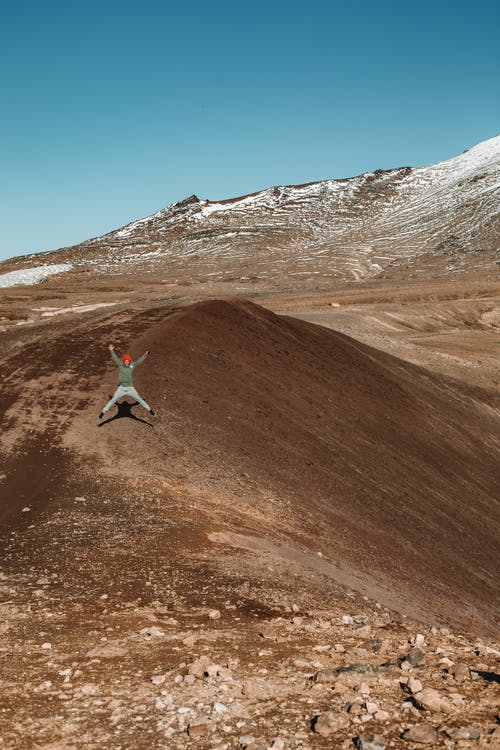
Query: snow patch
x=50 y=312
x=28 y=276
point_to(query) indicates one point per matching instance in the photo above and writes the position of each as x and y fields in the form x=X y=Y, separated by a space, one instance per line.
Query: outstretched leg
x=132 y=392
x=118 y=394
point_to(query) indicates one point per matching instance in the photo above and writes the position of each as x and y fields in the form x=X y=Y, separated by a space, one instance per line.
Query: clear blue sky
x=112 y=110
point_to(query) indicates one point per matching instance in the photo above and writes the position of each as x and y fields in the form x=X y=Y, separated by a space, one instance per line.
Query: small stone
x=432 y=700
x=414 y=685
x=152 y=632
x=371 y=708
x=339 y=648
x=220 y=708
x=89 y=689
x=46 y=645
x=158 y=679
x=330 y=722
x=419 y=640
x=327 y=676
x=347 y=620
x=445 y=662
x=212 y=670
x=199 y=727
x=370 y=742
x=463 y=733
x=214 y=614
x=162 y=610
x=255 y=688
x=382 y=716
x=26 y=510
x=198 y=667
x=422 y=733
x=461 y=672
x=260 y=743
x=45 y=685
x=415 y=656
x=295 y=608
x=245 y=740
x=354 y=708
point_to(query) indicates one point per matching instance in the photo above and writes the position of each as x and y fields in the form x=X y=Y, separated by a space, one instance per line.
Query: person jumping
x=126 y=371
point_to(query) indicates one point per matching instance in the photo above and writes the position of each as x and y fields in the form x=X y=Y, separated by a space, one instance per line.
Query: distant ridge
x=385 y=222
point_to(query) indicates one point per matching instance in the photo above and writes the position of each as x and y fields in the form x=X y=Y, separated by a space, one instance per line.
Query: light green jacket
x=127 y=373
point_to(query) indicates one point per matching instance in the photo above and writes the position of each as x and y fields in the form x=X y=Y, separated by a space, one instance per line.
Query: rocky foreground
x=166 y=674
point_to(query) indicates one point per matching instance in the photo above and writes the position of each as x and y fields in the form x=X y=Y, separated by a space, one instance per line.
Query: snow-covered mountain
x=446 y=214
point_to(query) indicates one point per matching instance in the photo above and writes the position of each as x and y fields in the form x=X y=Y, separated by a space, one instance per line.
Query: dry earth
x=300 y=551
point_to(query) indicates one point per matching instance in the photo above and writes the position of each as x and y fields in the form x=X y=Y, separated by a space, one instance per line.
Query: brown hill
x=301 y=434
x=289 y=438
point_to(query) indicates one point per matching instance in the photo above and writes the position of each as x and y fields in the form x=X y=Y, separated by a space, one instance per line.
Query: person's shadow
x=125 y=412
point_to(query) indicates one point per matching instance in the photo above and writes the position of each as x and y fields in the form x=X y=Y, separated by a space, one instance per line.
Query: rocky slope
x=444 y=218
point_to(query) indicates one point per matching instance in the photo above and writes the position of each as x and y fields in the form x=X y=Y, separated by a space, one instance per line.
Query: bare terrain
x=300 y=550
x=321 y=495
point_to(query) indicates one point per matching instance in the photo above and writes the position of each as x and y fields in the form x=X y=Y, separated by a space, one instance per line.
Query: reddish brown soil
x=287 y=431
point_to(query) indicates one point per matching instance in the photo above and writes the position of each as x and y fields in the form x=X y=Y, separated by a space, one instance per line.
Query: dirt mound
x=277 y=436
x=301 y=433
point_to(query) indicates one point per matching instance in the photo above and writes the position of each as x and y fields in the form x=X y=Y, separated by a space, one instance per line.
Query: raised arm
x=141 y=359
x=113 y=354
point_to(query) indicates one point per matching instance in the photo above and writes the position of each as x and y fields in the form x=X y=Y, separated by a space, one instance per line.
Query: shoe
x=101 y=415
x=152 y=412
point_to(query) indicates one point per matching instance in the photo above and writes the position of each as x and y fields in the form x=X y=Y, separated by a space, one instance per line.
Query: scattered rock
x=415 y=656
x=214 y=614
x=461 y=672
x=422 y=733
x=463 y=733
x=245 y=740
x=414 y=685
x=326 y=676
x=199 y=727
x=152 y=632
x=199 y=666
x=370 y=742
x=158 y=679
x=329 y=722
x=432 y=700
x=256 y=689
x=259 y=743
x=419 y=640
